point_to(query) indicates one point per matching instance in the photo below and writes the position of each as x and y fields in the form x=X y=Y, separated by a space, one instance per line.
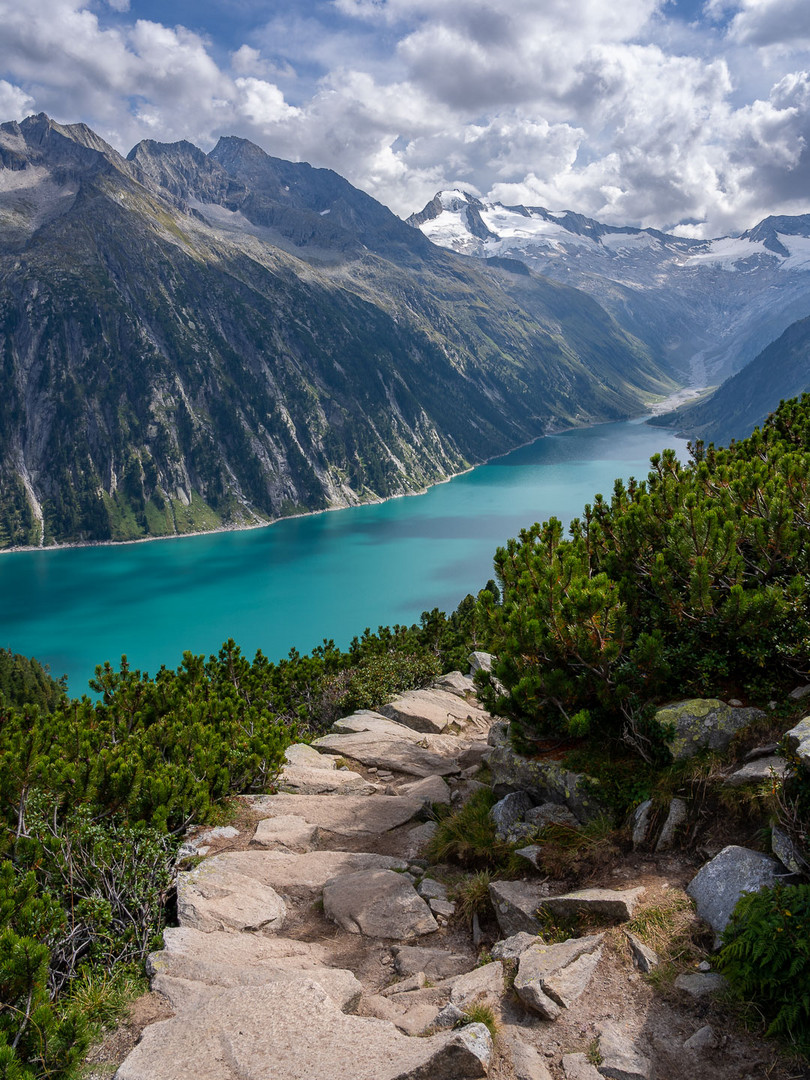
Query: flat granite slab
x=385 y=751
x=340 y=813
x=310 y=871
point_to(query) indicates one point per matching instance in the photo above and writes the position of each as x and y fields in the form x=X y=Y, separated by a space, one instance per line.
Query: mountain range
x=704 y=308
x=191 y=341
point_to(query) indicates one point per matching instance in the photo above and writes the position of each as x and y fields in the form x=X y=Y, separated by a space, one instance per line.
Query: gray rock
x=531 y=854
x=545 y=781
x=454 y=682
x=481 y=985
x=368 y=720
x=345 y=814
x=220 y=832
x=758 y=771
x=304 y=756
x=762 y=751
x=720 y=883
x=800 y=693
x=304 y=1034
x=641 y=823
x=511 y=948
x=418 y=838
x=621 y=1060
x=644 y=958
x=698 y=985
x=618 y=905
x=377 y=903
x=550 y=978
x=550 y=814
x=480 y=661
x=411 y=982
x=509 y=812
x=516 y=904
x=435 y=963
x=428 y=710
x=431 y=789
x=214 y=896
x=787 y=851
x=297 y=780
x=703 y=1039
x=499 y=734
x=442 y=907
x=675 y=820
x=298 y=873
x=527 y=1063
x=472 y=756
x=448 y=1017
x=388 y=752
x=577 y=1067
x=703 y=724
x=429 y=889
x=798 y=739
x=287 y=831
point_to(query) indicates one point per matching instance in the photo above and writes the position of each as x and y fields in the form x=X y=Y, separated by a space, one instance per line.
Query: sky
x=682 y=115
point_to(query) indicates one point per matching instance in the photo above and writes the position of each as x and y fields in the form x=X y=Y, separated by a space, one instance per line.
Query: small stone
x=799 y=693
x=482 y=984
x=621 y=1060
x=787 y=851
x=511 y=948
x=550 y=814
x=435 y=963
x=704 y=966
x=676 y=818
x=577 y=1067
x=412 y=982
x=429 y=889
x=551 y=977
x=698 y=985
x=377 y=903
x=431 y=789
x=644 y=958
x=606 y=903
x=526 y=1061
x=758 y=771
x=641 y=823
x=735 y=703
x=516 y=904
x=798 y=739
x=703 y=1039
x=762 y=751
x=442 y=907
x=531 y=854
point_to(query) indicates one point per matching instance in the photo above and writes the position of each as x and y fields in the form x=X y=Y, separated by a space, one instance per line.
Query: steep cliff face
x=192 y=340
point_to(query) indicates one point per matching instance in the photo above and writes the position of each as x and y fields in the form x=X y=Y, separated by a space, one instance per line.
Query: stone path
x=318 y=947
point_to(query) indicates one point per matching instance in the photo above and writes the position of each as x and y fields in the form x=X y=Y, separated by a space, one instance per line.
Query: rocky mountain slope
x=190 y=341
x=705 y=307
x=744 y=401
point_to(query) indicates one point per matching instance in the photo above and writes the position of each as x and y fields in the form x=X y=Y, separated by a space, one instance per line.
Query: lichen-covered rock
x=720 y=883
x=702 y=724
x=798 y=739
x=545 y=781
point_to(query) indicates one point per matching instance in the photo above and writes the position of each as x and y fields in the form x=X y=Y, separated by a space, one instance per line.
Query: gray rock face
x=498 y=734
x=377 y=903
x=297 y=873
x=545 y=782
x=418 y=838
x=429 y=889
x=703 y=724
x=215 y=896
x=481 y=985
x=516 y=904
x=286 y=831
x=550 y=978
x=429 y=710
x=606 y=903
x=787 y=851
x=305 y=1034
x=798 y=739
x=388 y=752
x=346 y=814
x=303 y=756
x=550 y=814
x=435 y=963
x=577 y=1067
x=675 y=820
x=719 y=884
x=758 y=771
x=621 y=1060
x=508 y=812
x=527 y=1063
x=367 y=720
x=300 y=780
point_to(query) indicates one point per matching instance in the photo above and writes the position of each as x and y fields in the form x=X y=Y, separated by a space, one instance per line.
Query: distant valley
x=192 y=341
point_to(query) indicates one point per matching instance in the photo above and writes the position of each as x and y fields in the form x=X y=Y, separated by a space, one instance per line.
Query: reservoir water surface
x=304 y=579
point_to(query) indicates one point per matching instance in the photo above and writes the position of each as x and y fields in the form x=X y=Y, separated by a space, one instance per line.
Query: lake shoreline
x=76 y=544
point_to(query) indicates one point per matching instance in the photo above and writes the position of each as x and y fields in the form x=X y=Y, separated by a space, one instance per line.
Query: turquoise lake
x=304 y=579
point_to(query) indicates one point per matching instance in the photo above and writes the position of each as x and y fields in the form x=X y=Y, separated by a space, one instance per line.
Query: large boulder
x=545 y=781
x=702 y=724
x=507 y=815
x=293 y=873
x=720 y=883
x=615 y=905
x=435 y=963
x=377 y=903
x=216 y=896
x=454 y=682
x=345 y=814
x=295 y=1031
x=430 y=711
x=385 y=751
x=550 y=978
x=516 y=904
x=368 y=720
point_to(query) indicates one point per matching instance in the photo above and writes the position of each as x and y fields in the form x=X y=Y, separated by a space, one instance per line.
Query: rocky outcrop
x=702 y=724
x=545 y=781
